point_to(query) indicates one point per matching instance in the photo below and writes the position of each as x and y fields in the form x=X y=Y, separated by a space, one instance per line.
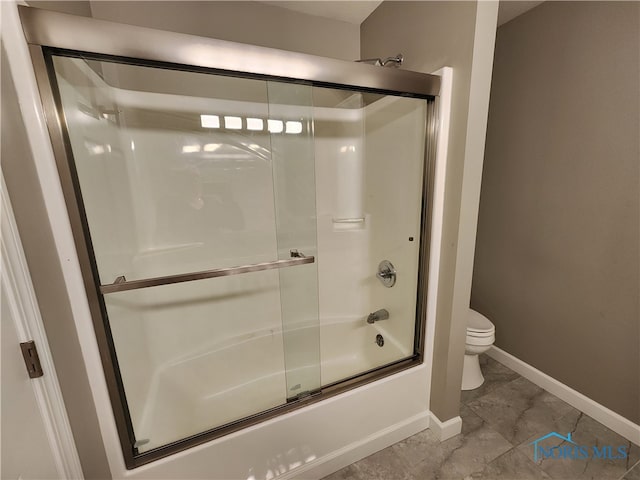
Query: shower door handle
x=121 y=284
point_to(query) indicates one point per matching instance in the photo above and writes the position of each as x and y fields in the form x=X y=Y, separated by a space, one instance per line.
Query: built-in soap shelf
x=356 y=223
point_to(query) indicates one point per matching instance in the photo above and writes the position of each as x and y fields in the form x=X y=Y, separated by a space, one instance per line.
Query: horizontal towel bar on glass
x=121 y=284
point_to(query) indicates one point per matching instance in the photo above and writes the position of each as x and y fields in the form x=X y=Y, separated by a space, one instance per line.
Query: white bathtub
x=348 y=347
x=245 y=375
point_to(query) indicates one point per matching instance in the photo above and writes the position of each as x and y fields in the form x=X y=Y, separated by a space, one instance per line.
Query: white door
x=35 y=436
x=26 y=452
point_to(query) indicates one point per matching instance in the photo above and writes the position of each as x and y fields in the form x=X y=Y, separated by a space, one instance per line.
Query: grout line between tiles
x=637 y=464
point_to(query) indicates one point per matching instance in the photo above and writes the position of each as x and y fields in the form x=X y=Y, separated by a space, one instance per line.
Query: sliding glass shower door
x=197 y=193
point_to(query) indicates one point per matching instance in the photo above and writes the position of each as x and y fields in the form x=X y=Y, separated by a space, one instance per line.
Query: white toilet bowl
x=481 y=334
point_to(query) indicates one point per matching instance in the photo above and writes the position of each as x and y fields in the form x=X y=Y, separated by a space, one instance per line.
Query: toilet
x=481 y=334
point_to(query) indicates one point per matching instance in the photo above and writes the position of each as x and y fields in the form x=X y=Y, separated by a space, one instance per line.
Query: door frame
x=23 y=305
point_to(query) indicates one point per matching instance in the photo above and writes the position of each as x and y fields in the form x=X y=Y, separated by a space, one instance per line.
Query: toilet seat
x=480 y=341
x=478 y=325
x=480 y=335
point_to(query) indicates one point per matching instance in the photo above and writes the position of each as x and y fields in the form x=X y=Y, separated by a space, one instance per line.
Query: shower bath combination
x=238 y=213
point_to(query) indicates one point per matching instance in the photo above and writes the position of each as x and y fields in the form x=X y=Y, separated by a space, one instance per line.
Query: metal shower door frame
x=49 y=33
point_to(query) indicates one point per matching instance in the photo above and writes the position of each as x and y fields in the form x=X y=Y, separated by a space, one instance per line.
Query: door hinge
x=31 y=359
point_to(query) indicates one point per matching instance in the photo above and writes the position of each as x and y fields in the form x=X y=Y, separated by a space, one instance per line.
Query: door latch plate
x=31 y=359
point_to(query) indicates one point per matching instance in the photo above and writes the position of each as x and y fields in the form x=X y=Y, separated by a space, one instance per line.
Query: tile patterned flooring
x=499 y=421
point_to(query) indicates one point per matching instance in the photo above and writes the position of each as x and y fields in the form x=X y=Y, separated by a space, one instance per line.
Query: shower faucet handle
x=386 y=273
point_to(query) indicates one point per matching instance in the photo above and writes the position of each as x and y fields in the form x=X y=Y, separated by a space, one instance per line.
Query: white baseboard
x=448 y=429
x=355 y=451
x=602 y=414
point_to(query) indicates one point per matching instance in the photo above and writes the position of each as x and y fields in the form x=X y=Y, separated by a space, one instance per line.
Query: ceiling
x=356 y=11
x=508 y=10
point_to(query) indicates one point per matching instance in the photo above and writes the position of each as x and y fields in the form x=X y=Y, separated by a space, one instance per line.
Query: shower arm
x=121 y=284
x=378 y=62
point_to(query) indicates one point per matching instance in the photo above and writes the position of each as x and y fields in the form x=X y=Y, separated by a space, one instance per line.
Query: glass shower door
x=198 y=195
x=295 y=205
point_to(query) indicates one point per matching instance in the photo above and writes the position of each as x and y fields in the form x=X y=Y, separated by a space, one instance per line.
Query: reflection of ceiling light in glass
x=191 y=149
x=211 y=147
x=254 y=146
x=94 y=148
x=255 y=124
x=233 y=123
x=133 y=146
x=210 y=121
x=347 y=148
x=275 y=126
x=294 y=127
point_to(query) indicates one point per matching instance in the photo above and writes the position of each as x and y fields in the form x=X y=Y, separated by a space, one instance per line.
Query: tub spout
x=381 y=314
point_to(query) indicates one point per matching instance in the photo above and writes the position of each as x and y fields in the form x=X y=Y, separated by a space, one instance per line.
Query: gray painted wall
x=432 y=35
x=245 y=22
x=74 y=7
x=250 y=22
x=558 y=245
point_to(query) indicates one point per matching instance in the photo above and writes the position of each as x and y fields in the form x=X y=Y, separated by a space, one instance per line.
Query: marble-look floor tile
x=470 y=420
x=587 y=432
x=417 y=448
x=463 y=454
x=633 y=474
x=384 y=465
x=520 y=409
x=495 y=375
x=564 y=426
x=510 y=466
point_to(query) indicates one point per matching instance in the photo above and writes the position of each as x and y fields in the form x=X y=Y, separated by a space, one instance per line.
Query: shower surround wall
x=558 y=243
x=158 y=199
x=356 y=183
